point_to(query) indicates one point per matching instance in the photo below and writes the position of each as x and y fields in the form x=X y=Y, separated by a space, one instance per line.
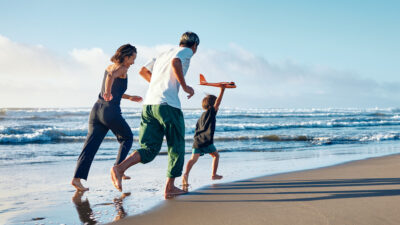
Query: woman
x=106 y=114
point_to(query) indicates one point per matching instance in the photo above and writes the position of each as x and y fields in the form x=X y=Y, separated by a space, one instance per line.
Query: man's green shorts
x=204 y=150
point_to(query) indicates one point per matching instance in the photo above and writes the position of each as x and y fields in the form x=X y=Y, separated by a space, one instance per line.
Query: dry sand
x=361 y=192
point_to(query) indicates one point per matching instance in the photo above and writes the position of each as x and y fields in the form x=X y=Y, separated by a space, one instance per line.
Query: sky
x=281 y=54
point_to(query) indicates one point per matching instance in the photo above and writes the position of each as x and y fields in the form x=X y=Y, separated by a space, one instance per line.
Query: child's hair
x=208 y=102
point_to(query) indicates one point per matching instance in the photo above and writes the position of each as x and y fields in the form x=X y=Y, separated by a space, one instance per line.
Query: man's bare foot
x=185 y=183
x=216 y=177
x=76 y=182
x=173 y=192
x=125 y=177
x=116 y=178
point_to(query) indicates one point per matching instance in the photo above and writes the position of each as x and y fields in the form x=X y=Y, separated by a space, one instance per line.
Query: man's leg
x=150 y=138
x=174 y=127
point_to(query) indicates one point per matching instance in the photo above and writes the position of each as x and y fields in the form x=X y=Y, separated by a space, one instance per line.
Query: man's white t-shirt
x=164 y=87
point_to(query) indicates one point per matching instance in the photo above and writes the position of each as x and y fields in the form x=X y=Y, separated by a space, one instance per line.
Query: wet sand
x=360 y=192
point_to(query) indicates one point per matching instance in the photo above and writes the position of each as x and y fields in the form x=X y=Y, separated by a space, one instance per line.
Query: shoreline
x=365 y=191
x=34 y=200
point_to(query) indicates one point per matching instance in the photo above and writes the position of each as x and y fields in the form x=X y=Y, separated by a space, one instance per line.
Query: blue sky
x=331 y=40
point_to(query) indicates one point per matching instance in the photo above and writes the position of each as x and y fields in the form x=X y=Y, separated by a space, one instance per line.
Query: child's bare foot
x=173 y=192
x=76 y=182
x=125 y=177
x=185 y=183
x=116 y=178
x=216 y=177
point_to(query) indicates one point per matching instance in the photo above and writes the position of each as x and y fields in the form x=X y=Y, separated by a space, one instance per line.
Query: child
x=204 y=137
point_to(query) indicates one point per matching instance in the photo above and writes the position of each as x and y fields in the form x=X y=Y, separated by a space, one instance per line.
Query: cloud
x=33 y=76
x=90 y=58
x=288 y=84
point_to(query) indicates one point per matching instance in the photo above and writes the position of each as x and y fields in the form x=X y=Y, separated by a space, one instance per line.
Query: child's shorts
x=204 y=150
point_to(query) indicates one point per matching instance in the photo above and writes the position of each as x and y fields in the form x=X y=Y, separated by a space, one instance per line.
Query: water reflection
x=118 y=203
x=86 y=214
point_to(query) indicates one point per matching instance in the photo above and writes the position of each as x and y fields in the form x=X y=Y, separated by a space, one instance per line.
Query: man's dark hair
x=188 y=39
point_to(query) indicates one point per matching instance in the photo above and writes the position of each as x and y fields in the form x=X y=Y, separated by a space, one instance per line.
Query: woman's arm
x=133 y=98
x=115 y=72
x=219 y=99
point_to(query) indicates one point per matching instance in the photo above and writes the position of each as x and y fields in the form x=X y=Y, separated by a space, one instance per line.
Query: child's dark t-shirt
x=205 y=127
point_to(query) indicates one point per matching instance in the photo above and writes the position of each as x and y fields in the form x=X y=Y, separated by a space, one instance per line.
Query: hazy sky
x=286 y=54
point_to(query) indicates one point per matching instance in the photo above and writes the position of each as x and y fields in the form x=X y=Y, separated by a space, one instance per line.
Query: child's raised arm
x=219 y=99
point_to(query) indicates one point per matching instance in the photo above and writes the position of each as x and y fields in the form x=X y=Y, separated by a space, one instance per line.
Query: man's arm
x=145 y=73
x=219 y=99
x=177 y=70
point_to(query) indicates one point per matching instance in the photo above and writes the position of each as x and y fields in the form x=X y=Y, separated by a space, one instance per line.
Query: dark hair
x=208 y=102
x=123 y=51
x=188 y=39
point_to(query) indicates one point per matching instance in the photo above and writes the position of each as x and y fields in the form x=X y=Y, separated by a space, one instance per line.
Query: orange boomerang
x=220 y=84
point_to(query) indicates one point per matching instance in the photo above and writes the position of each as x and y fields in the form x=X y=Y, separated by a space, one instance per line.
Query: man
x=162 y=114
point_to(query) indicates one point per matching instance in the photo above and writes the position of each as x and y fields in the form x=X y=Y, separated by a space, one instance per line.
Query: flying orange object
x=219 y=84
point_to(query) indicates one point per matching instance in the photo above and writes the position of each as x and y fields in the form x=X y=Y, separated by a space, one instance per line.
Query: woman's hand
x=107 y=96
x=135 y=98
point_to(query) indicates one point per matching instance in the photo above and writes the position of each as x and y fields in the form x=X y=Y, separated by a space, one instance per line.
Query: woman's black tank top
x=118 y=88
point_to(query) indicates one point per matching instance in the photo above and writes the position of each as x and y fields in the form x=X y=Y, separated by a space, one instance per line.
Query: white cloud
x=33 y=76
x=287 y=84
x=90 y=58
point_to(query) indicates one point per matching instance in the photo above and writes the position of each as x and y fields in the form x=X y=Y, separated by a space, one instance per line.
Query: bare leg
x=76 y=182
x=77 y=198
x=125 y=177
x=118 y=203
x=117 y=172
x=172 y=191
x=214 y=175
x=185 y=178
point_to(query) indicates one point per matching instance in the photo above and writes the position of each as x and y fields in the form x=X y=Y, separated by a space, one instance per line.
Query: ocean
x=39 y=148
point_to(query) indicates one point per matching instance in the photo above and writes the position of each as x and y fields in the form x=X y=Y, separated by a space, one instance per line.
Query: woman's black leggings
x=103 y=117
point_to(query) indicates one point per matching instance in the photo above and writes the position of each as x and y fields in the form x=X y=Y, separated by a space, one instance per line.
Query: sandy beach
x=360 y=192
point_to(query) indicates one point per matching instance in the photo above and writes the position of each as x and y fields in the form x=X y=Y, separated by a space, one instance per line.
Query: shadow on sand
x=336 y=189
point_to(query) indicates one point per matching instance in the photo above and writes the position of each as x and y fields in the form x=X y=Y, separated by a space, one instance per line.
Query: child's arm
x=219 y=99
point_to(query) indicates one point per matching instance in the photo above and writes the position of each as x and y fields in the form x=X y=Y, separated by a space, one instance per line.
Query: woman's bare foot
x=216 y=177
x=77 y=198
x=173 y=192
x=76 y=182
x=116 y=178
x=125 y=177
x=185 y=183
